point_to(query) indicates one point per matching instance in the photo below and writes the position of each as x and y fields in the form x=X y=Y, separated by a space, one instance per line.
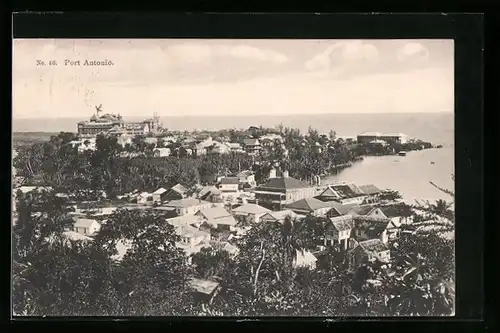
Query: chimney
x=285 y=174
x=272 y=173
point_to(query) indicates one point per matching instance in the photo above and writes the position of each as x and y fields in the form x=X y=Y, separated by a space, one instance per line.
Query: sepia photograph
x=233 y=177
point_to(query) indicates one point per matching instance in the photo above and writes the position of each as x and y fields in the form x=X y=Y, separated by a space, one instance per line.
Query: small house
x=188 y=206
x=191 y=236
x=372 y=193
x=229 y=185
x=368 y=251
x=338 y=231
x=247 y=177
x=86 y=227
x=161 y=152
x=176 y=192
x=235 y=147
x=343 y=193
x=278 y=216
x=159 y=195
x=144 y=198
x=250 y=213
x=311 y=206
x=304 y=258
x=204 y=289
x=184 y=220
x=217 y=217
x=209 y=193
x=252 y=146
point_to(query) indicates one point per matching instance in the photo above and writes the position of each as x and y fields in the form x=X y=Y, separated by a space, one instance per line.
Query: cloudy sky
x=232 y=77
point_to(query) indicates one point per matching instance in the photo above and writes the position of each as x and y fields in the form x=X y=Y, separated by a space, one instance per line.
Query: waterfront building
x=111 y=124
x=280 y=191
x=368 y=137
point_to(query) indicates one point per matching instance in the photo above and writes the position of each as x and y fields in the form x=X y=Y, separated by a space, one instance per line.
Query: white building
x=86 y=227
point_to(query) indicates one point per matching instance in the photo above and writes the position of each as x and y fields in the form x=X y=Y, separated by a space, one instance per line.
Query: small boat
x=432 y=162
x=402 y=153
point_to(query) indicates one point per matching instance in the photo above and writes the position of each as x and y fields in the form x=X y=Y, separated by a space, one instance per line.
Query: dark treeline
x=56 y=276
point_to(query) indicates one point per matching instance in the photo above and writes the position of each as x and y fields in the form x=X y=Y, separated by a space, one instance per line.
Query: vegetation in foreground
x=56 y=276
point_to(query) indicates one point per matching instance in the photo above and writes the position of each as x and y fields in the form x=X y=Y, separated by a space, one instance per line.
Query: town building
x=159 y=195
x=338 y=231
x=368 y=251
x=343 y=193
x=372 y=193
x=250 y=213
x=217 y=217
x=188 y=206
x=209 y=193
x=368 y=137
x=161 y=152
x=86 y=227
x=280 y=191
x=252 y=146
x=304 y=258
x=191 y=236
x=278 y=216
x=144 y=198
x=247 y=177
x=111 y=124
x=235 y=147
x=229 y=185
x=310 y=206
x=177 y=192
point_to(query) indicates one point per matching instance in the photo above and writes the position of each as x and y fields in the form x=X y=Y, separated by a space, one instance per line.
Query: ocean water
x=437 y=128
x=410 y=174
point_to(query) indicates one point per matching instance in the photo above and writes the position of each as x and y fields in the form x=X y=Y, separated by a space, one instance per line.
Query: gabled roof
x=283 y=184
x=362 y=210
x=251 y=209
x=308 y=204
x=280 y=215
x=373 y=228
x=179 y=188
x=373 y=245
x=214 y=213
x=183 y=220
x=342 y=223
x=185 y=203
x=245 y=173
x=206 y=287
x=370 y=189
x=189 y=231
x=230 y=180
x=145 y=194
x=84 y=223
x=161 y=190
x=227 y=220
x=390 y=211
x=342 y=209
x=211 y=189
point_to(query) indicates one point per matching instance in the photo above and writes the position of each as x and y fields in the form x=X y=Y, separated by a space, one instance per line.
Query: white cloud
x=413 y=52
x=344 y=55
x=198 y=53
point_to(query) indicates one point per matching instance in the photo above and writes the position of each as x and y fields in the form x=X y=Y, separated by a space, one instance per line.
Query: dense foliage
x=110 y=168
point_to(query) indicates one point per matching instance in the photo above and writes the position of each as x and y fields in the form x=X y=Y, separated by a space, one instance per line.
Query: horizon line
x=253 y=115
